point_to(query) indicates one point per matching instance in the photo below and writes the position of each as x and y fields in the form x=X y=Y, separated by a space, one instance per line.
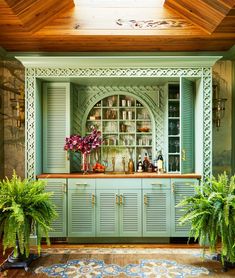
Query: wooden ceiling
x=60 y=26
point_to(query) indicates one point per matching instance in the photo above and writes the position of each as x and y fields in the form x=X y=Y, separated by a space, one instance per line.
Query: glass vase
x=85 y=163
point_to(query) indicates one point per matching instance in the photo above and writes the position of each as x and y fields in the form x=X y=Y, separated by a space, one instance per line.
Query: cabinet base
x=117 y=240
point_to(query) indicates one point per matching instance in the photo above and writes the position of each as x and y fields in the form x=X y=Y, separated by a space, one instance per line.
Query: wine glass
x=177 y=146
x=171 y=128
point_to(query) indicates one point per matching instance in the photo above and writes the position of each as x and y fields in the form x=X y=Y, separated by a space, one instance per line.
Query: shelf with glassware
x=125 y=124
x=173 y=128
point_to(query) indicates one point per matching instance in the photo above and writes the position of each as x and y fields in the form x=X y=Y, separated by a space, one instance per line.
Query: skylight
x=120 y=3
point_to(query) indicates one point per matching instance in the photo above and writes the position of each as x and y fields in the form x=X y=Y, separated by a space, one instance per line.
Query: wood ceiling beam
x=206 y=14
x=36 y=14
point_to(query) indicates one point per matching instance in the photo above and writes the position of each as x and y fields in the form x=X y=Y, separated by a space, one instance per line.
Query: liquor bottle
x=150 y=166
x=155 y=165
x=145 y=163
x=160 y=162
x=130 y=166
x=139 y=167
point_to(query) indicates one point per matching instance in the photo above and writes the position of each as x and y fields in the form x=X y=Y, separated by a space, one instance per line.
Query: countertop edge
x=121 y=175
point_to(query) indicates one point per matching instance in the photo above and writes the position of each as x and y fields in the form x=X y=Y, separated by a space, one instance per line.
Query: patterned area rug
x=127 y=262
x=146 y=268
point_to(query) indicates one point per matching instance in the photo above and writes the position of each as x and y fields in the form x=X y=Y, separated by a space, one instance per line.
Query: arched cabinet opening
x=127 y=128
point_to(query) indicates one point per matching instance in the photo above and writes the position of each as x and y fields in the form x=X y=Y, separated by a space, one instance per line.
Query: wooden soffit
x=207 y=14
x=34 y=15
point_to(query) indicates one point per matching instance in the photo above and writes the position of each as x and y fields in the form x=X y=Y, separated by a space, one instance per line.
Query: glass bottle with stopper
x=139 y=167
x=160 y=162
x=145 y=163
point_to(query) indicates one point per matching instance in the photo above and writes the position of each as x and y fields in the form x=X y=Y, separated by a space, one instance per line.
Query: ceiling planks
x=36 y=14
x=84 y=28
x=206 y=14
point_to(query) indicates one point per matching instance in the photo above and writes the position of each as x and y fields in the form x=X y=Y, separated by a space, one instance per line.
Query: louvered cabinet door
x=180 y=188
x=56 y=126
x=187 y=126
x=107 y=208
x=59 y=198
x=130 y=213
x=81 y=216
x=156 y=212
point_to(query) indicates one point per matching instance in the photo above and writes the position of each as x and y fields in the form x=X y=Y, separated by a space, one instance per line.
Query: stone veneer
x=12 y=142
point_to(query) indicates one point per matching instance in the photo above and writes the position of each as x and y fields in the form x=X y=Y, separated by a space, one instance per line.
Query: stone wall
x=12 y=84
x=222 y=136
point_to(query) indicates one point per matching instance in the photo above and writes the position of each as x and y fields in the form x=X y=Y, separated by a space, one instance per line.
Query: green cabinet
x=180 y=188
x=118 y=211
x=107 y=212
x=119 y=207
x=81 y=207
x=156 y=207
x=59 y=198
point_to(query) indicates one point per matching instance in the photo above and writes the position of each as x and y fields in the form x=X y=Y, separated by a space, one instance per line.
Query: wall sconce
x=18 y=107
x=218 y=106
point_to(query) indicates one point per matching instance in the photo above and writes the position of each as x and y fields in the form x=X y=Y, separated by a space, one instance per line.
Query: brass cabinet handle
x=67 y=156
x=121 y=200
x=81 y=184
x=65 y=188
x=183 y=154
x=93 y=201
x=173 y=187
x=117 y=199
x=145 y=200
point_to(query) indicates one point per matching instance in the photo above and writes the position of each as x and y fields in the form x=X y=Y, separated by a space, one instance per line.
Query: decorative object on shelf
x=25 y=209
x=211 y=213
x=218 y=106
x=77 y=143
x=18 y=107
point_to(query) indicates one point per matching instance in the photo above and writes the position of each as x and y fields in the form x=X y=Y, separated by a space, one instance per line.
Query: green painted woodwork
x=59 y=198
x=56 y=126
x=81 y=207
x=156 y=207
x=180 y=188
x=130 y=212
x=107 y=213
x=187 y=125
x=119 y=207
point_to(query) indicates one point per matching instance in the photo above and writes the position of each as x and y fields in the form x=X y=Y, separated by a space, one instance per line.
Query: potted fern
x=211 y=212
x=25 y=208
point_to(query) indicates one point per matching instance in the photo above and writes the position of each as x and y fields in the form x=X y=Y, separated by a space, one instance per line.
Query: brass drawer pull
x=117 y=199
x=121 y=200
x=65 y=188
x=183 y=154
x=93 y=201
x=173 y=188
x=81 y=184
x=157 y=184
x=145 y=200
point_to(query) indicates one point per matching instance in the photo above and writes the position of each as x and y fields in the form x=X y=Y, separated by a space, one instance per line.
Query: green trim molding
x=102 y=67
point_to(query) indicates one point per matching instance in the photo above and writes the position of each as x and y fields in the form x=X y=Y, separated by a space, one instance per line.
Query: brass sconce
x=18 y=108
x=218 y=106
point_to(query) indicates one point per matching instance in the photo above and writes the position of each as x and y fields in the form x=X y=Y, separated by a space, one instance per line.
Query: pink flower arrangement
x=76 y=143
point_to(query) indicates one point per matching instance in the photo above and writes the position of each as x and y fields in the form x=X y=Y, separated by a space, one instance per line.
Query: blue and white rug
x=92 y=268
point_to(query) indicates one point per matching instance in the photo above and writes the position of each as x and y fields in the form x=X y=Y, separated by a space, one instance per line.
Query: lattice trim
x=33 y=73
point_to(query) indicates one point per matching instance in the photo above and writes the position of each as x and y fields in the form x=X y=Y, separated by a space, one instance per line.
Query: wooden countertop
x=109 y=175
